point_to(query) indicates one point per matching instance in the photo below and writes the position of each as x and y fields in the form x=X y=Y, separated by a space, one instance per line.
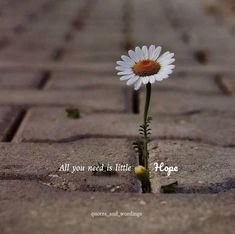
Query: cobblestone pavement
x=57 y=54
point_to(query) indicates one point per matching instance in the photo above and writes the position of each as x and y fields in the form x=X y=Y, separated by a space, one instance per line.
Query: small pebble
x=112 y=190
x=142 y=202
x=53 y=176
x=163 y=202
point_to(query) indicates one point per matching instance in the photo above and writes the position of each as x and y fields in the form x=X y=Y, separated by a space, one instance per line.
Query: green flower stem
x=146 y=109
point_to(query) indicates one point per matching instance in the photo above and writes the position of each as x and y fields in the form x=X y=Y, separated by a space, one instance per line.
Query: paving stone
x=95 y=100
x=19 y=80
x=177 y=102
x=202 y=168
x=201 y=84
x=8 y=116
x=41 y=163
x=77 y=55
x=24 y=189
x=61 y=80
x=196 y=23
x=178 y=82
x=66 y=212
x=164 y=35
x=193 y=121
x=44 y=125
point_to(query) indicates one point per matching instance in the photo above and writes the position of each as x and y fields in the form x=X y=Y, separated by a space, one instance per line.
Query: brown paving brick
x=43 y=124
x=95 y=100
x=178 y=102
x=62 y=80
x=196 y=24
x=64 y=213
x=201 y=168
x=25 y=190
x=202 y=84
x=8 y=116
x=165 y=35
x=177 y=82
x=41 y=162
x=78 y=55
x=19 y=80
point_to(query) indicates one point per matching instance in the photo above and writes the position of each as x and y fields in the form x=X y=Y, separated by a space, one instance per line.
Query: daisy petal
x=145 y=79
x=120 y=68
x=156 y=53
x=127 y=60
x=152 y=79
x=123 y=64
x=146 y=52
x=169 y=67
x=126 y=77
x=165 y=56
x=151 y=50
x=127 y=72
x=132 y=80
x=133 y=55
x=139 y=53
x=158 y=77
x=138 y=84
x=167 y=62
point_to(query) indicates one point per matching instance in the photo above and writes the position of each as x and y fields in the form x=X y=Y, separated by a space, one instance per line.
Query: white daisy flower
x=144 y=65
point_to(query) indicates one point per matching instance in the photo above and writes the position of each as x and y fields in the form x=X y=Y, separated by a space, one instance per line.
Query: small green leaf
x=169 y=188
x=73 y=113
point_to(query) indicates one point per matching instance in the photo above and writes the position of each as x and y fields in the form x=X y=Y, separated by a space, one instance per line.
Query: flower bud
x=142 y=173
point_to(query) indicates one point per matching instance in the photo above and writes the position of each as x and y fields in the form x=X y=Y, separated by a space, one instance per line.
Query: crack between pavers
x=15 y=125
x=226 y=185
x=95 y=136
x=26 y=177
x=213 y=188
x=59 y=52
x=225 y=84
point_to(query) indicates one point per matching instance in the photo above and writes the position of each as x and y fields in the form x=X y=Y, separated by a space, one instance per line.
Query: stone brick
x=41 y=163
x=87 y=80
x=19 y=80
x=201 y=84
x=202 y=168
x=66 y=212
x=177 y=102
x=52 y=125
x=95 y=99
x=62 y=80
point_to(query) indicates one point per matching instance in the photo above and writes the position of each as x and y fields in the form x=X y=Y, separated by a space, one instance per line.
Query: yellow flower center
x=146 y=68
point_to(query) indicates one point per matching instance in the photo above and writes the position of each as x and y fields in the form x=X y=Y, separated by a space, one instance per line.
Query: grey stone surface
x=193 y=120
x=41 y=163
x=71 y=212
x=201 y=84
x=52 y=125
x=12 y=80
x=83 y=80
x=177 y=102
x=202 y=168
x=196 y=23
x=95 y=99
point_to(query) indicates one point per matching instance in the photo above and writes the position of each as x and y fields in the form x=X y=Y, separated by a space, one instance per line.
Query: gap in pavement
x=14 y=128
